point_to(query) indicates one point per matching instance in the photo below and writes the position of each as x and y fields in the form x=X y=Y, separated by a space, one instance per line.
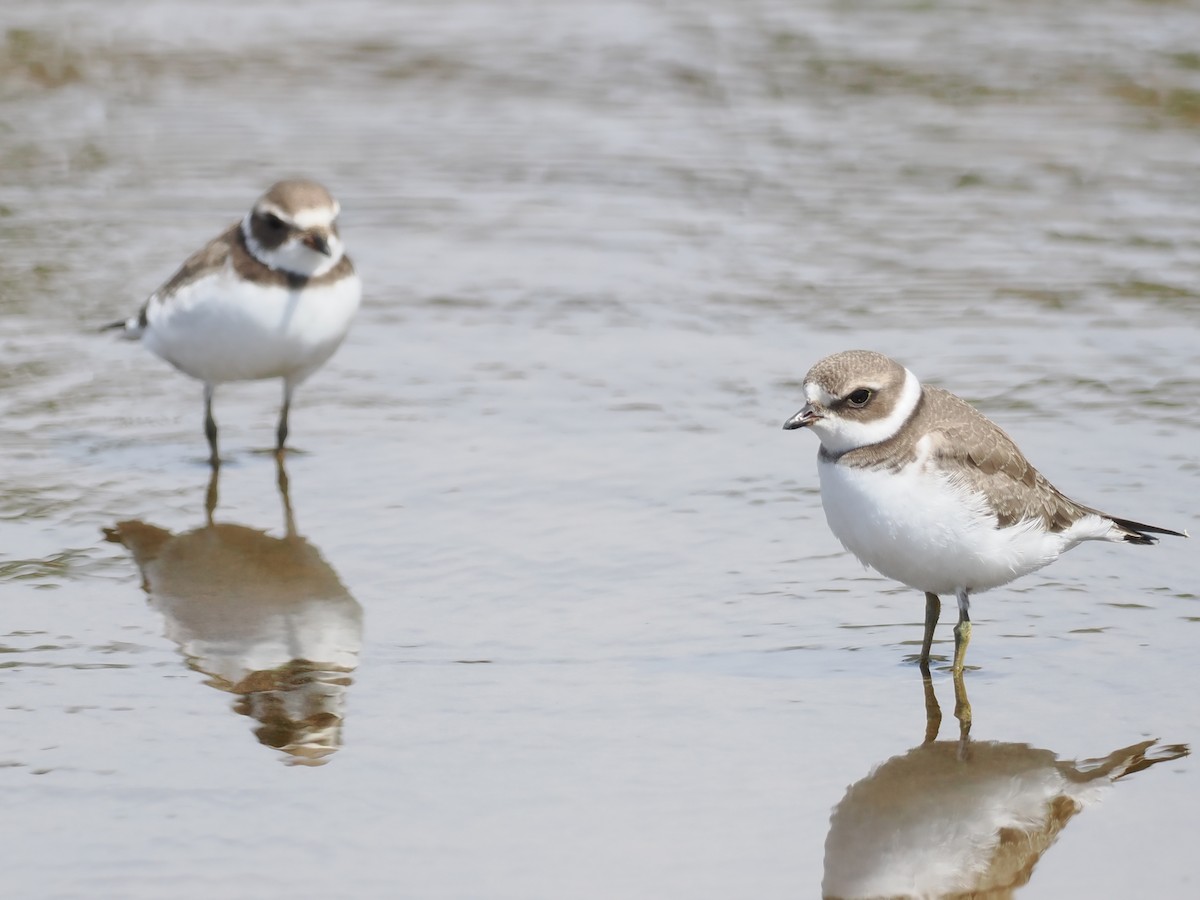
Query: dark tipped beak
x=318 y=241
x=806 y=416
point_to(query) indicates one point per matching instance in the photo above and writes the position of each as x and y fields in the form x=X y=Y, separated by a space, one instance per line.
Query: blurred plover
x=270 y=297
x=924 y=489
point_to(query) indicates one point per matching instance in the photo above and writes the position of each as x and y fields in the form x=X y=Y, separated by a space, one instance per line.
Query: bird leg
x=962 y=631
x=281 y=432
x=933 y=609
x=210 y=426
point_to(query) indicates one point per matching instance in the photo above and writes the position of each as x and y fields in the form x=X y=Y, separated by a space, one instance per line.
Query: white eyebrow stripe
x=814 y=393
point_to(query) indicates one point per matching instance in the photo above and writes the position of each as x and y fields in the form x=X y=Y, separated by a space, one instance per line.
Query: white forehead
x=816 y=393
x=318 y=217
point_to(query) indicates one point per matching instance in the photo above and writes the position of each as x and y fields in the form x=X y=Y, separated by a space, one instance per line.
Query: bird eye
x=858 y=399
x=273 y=222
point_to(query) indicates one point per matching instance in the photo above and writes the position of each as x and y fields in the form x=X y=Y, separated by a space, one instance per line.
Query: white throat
x=292 y=256
x=839 y=435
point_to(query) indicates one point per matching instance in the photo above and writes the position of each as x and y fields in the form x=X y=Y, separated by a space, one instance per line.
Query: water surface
x=587 y=632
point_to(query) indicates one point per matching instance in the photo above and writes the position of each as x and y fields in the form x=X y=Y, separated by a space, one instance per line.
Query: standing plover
x=924 y=489
x=270 y=297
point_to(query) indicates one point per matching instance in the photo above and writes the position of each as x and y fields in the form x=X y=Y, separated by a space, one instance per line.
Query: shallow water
x=587 y=632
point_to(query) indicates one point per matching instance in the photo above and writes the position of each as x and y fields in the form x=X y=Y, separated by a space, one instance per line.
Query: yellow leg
x=962 y=631
x=933 y=609
x=962 y=637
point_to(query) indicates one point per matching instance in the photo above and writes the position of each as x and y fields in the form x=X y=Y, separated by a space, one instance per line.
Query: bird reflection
x=963 y=818
x=264 y=617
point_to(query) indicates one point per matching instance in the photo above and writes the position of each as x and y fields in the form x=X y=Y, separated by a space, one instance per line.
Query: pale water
x=559 y=616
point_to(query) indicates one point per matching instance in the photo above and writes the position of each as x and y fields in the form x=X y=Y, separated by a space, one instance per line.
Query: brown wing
x=978 y=452
x=212 y=255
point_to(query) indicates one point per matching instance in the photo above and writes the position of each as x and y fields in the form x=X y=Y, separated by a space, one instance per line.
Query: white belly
x=222 y=329
x=917 y=527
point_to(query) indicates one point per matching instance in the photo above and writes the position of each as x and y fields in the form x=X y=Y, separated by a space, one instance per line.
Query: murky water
x=571 y=620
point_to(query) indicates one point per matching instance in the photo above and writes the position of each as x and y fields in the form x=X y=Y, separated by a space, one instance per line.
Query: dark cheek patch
x=880 y=405
x=266 y=236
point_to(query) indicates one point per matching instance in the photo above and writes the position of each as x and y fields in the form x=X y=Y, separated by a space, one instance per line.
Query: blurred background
x=579 y=627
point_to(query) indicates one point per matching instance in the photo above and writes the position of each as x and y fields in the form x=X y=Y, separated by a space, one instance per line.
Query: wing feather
x=979 y=453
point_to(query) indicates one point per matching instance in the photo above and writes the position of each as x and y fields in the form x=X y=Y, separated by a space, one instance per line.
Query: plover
x=924 y=489
x=270 y=297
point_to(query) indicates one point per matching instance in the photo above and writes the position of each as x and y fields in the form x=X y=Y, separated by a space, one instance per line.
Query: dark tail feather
x=1144 y=534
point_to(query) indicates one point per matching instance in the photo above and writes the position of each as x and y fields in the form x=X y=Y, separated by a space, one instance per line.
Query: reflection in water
x=963 y=818
x=264 y=617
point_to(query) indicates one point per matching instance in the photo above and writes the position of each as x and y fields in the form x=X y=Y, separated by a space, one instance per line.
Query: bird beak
x=806 y=416
x=317 y=241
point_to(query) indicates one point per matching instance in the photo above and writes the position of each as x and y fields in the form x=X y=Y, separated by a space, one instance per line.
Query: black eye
x=858 y=399
x=273 y=222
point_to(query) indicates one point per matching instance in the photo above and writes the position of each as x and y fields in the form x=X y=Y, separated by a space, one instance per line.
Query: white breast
x=222 y=328
x=915 y=525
